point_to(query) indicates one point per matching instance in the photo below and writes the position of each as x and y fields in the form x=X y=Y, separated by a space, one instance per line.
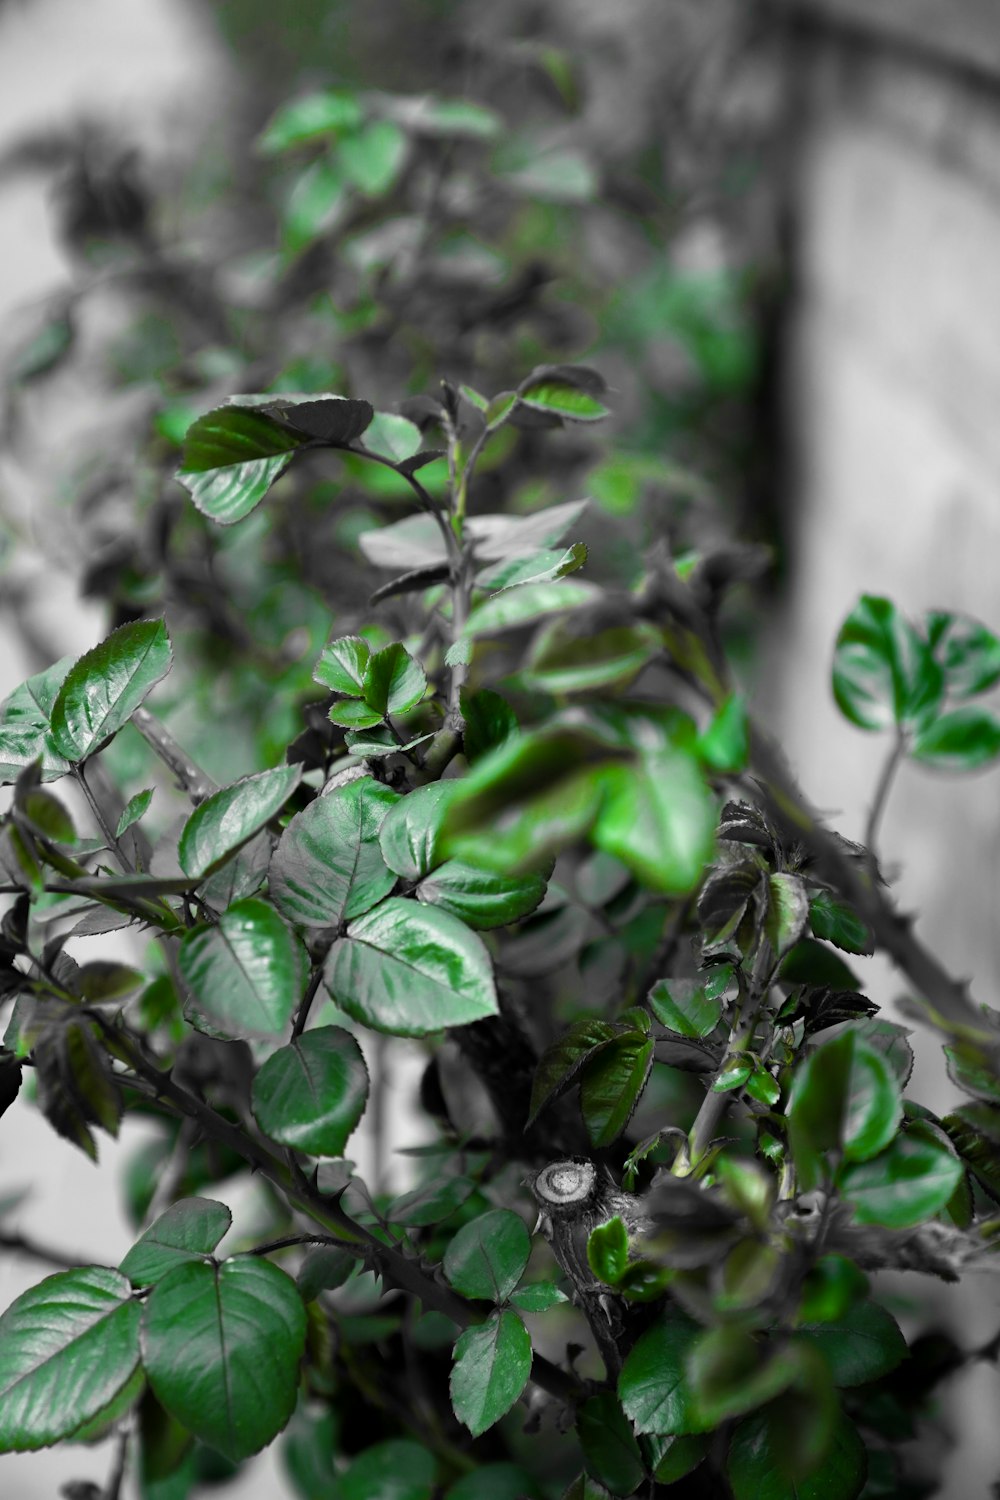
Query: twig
x=23 y=1244
x=79 y=776
x=190 y=777
x=113 y=1488
x=302 y=1014
x=883 y=789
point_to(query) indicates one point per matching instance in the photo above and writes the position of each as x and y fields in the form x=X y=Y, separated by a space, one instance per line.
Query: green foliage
x=479 y=748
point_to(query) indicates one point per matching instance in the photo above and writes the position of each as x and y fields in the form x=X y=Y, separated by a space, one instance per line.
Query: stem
x=427 y=501
x=22 y=1244
x=190 y=777
x=106 y=833
x=113 y=1488
x=717 y=1102
x=395 y=1267
x=302 y=1014
x=883 y=789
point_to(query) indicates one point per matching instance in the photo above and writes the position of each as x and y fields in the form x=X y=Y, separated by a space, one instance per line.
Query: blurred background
x=774 y=228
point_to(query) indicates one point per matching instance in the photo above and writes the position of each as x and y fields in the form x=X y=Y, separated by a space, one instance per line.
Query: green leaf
x=724 y=744
x=567 y=659
x=810 y=962
x=230 y=817
x=653 y=1385
x=539 y=1296
x=863 y=1344
x=489 y=723
x=410 y=969
x=409 y=833
x=542 y=567
x=316 y=203
x=553 y=176
x=309 y=119
x=311 y=1094
x=134 y=809
x=373 y=156
x=395 y=1470
x=838 y=924
x=968 y=652
x=683 y=1007
x=232 y=456
x=431 y=1202
x=884 y=673
x=673 y=1457
x=246 y=974
x=487 y=1257
x=564 y=401
x=522 y=605
x=561 y=1063
x=958 y=741
x=611 y=1084
x=908 y=1183
x=328 y=867
x=731 y=1373
x=394 y=437
x=481 y=899
x=68 y=1347
x=25 y=733
x=308 y=1446
x=188 y=1230
x=608 y=1251
x=341 y=666
x=756 y=1472
x=973 y=1072
x=844 y=1097
x=393 y=682
x=658 y=818
x=787 y=912
x=974 y=1131
x=451 y=119
x=491 y=1369
x=334 y=421
x=493 y=1482
x=103 y=689
x=610 y=1450
x=221 y=1348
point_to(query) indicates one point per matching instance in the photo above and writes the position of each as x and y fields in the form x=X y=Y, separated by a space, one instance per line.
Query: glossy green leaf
x=221 y=1347
x=756 y=1472
x=394 y=1470
x=310 y=118
x=844 y=1097
x=683 y=1006
x=491 y=1369
x=135 y=808
x=393 y=681
x=410 y=969
x=673 y=1457
x=658 y=818
x=430 y=1203
x=394 y=437
x=311 y=1094
x=539 y=1296
x=565 y=659
x=609 y=1446
x=188 y=1230
x=974 y=1131
x=731 y=1373
x=608 y=1251
x=489 y=723
x=341 y=666
x=831 y=1286
x=542 y=567
x=653 y=1385
x=25 y=732
x=373 y=156
x=409 y=833
x=103 y=689
x=564 y=401
x=232 y=456
x=354 y=713
x=611 y=1085
x=328 y=867
x=480 y=898
x=787 y=912
x=487 y=1257
x=309 y=1447
x=968 y=652
x=838 y=924
x=724 y=744
x=884 y=672
x=862 y=1345
x=561 y=1063
x=68 y=1347
x=958 y=741
x=528 y=602
x=246 y=974
x=973 y=1072
x=230 y=817
x=317 y=201
x=908 y=1183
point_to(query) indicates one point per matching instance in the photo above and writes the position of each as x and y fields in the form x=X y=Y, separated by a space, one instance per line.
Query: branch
x=22 y=1244
x=190 y=777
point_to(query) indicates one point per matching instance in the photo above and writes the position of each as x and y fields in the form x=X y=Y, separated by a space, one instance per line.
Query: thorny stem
x=396 y=1268
x=79 y=776
x=883 y=789
x=190 y=777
